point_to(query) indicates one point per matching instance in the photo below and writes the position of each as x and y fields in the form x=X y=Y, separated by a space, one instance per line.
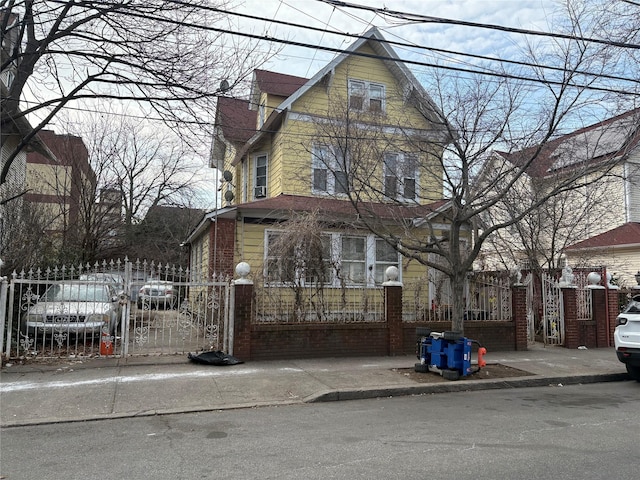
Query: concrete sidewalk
x=114 y=388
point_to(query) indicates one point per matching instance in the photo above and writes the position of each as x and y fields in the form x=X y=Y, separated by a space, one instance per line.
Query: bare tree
x=137 y=168
x=472 y=116
x=171 y=57
x=539 y=240
x=24 y=242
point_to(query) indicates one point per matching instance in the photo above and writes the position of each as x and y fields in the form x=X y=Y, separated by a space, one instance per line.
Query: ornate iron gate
x=116 y=308
x=552 y=311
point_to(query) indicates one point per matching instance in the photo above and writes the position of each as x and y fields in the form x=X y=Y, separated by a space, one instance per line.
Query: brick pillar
x=393 y=313
x=221 y=246
x=599 y=312
x=243 y=313
x=519 y=312
x=570 y=308
x=612 y=313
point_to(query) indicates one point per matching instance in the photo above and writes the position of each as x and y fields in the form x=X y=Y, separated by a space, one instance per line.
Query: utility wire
x=381 y=57
x=417 y=18
x=412 y=62
x=409 y=45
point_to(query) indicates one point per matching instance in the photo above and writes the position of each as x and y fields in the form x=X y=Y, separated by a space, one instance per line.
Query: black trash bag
x=214 y=358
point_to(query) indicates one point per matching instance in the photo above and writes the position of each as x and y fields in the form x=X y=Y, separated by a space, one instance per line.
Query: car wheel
x=634 y=372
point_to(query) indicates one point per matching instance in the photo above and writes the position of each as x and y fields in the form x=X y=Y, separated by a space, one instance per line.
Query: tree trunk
x=458 y=303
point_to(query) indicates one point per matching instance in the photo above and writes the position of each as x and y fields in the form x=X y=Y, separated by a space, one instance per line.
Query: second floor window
x=260 y=183
x=330 y=171
x=400 y=175
x=366 y=96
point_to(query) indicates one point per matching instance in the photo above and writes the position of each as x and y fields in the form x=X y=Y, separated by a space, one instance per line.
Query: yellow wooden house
x=356 y=148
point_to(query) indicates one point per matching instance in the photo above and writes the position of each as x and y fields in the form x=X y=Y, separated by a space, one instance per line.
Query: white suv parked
x=626 y=337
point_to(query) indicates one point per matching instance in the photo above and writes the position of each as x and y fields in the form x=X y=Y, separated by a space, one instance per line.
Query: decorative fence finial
x=242 y=270
x=567 y=278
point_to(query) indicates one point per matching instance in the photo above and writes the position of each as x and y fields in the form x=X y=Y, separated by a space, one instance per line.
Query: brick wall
x=254 y=341
x=495 y=336
x=309 y=341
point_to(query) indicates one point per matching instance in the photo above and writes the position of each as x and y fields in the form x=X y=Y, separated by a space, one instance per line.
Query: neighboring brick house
x=275 y=164
x=603 y=203
x=62 y=185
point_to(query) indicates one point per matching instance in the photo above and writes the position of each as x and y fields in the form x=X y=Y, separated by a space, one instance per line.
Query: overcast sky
x=531 y=14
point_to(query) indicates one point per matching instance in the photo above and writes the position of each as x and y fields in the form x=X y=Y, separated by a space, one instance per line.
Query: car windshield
x=634 y=305
x=76 y=293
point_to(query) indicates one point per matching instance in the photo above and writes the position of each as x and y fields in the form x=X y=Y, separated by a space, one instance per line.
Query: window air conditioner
x=259 y=192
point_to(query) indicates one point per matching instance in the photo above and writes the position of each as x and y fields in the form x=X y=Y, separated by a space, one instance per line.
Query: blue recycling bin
x=447 y=353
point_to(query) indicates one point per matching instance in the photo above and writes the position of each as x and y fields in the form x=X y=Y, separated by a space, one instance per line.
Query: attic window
x=366 y=96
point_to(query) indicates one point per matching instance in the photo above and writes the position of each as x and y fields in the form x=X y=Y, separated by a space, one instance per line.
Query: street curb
x=462 y=386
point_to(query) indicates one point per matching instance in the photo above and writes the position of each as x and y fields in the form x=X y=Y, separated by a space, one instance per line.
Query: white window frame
x=400 y=174
x=367 y=88
x=324 y=158
x=256 y=184
x=374 y=268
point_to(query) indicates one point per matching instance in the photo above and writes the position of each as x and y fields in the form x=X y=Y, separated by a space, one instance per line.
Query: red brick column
x=393 y=313
x=221 y=246
x=519 y=315
x=243 y=314
x=571 y=327
x=599 y=312
x=612 y=313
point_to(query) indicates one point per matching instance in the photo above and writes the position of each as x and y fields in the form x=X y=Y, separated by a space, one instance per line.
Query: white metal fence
x=487 y=297
x=114 y=308
x=313 y=303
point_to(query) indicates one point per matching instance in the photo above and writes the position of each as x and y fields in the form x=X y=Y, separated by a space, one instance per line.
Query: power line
x=414 y=17
x=363 y=54
x=410 y=45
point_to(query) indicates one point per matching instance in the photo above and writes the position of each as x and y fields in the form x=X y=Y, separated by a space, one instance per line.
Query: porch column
x=393 y=310
x=519 y=309
x=243 y=313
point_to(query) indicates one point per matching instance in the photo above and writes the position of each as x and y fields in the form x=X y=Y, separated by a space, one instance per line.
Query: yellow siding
x=290 y=161
x=621 y=263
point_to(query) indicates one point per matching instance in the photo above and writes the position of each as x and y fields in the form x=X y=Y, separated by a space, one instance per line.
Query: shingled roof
x=275 y=83
x=626 y=234
x=236 y=119
x=598 y=142
x=332 y=206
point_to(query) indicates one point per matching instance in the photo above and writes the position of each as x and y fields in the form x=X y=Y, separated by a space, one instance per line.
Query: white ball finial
x=242 y=270
x=391 y=274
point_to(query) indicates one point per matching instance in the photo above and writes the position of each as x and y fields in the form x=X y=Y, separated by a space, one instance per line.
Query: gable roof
x=236 y=120
x=601 y=141
x=410 y=85
x=627 y=234
x=274 y=83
